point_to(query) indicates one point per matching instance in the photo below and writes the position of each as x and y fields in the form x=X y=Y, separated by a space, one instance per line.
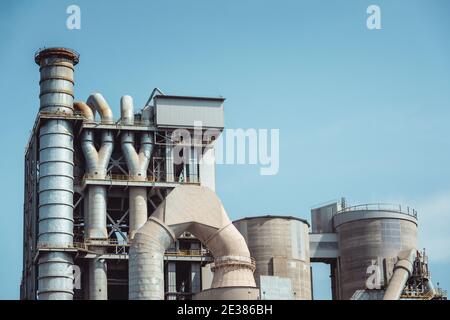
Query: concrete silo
x=280 y=247
x=368 y=235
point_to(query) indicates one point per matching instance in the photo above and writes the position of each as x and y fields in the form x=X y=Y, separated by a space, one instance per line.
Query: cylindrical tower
x=280 y=247
x=55 y=280
x=367 y=235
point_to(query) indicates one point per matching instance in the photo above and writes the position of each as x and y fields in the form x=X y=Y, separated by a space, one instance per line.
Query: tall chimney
x=55 y=278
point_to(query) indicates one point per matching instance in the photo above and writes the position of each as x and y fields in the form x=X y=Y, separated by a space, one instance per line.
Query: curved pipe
x=137 y=163
x=105 y=152
x=145 y=152
x=127 y=110
x=199 y=211
x=89 y=151
x=137 y=168
x=96 y=167
x=97 y=162
x=85 y=110
x=97 y=102
x=402 y=271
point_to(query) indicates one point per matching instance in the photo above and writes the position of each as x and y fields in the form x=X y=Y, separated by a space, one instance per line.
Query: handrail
x=381 y=207
x=74 y=52
x=124 y=177
x=190 y=252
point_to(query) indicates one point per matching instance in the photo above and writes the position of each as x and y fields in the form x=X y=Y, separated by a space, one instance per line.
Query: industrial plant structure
x=124 y=208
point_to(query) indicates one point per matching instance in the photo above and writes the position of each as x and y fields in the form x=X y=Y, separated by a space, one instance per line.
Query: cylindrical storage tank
x=280 y=247
x=367 y=235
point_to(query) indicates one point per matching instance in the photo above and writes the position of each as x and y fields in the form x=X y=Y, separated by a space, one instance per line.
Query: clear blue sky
x=362 y=114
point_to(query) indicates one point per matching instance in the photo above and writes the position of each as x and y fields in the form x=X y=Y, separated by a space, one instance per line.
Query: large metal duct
x=55 y=278
x=367 y=235
x=137 y=167
x=98 y=103
x=96 y=167
x=402 y=271
x=199 y=211
x=280 y=246
x=126 y=110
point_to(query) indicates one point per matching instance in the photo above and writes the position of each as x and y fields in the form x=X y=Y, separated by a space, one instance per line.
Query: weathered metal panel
x=275 y=288
x=323 y=246
x=322 y=218
x=185 y=112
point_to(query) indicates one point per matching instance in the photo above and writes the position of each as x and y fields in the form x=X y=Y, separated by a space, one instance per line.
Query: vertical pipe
x=137 y=167
x=97 y=167
x=138 y=209
x=98 y=281
x=126 y=110
x=97 y=213
x=55 y=275
x=146 y=261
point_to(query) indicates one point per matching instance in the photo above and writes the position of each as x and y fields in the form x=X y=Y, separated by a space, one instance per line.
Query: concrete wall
x=228 y=293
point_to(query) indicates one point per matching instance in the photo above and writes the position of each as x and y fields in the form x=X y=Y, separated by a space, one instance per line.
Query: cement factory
x=109 y=214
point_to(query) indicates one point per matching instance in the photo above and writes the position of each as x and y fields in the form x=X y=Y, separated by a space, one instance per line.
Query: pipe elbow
x=402 y=272
x=228 y=241
x=127 y=110
x=105 y=151
x=145 y=151
x=129 y=152
x=97 y=102
x=89 y=151
x=85 y=110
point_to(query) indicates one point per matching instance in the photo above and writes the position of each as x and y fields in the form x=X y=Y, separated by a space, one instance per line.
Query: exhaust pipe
x=99 y=104
x=402 y=271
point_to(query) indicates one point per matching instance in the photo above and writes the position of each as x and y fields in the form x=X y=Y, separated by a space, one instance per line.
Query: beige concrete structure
x=232 y=293
x=367 y=235
x=197 y=210
x=280 y=247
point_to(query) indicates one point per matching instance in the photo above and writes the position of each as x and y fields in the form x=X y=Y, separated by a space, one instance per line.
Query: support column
x=98 y=280
x=169 y=164
x=195 y=277
x=171 y=280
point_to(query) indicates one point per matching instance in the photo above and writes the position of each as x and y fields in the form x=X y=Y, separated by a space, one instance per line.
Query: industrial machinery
x=124 y=208
x=372 y=251
x=92 y=182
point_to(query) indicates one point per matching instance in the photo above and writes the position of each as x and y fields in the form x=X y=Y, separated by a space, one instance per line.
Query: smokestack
x=55 y=279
